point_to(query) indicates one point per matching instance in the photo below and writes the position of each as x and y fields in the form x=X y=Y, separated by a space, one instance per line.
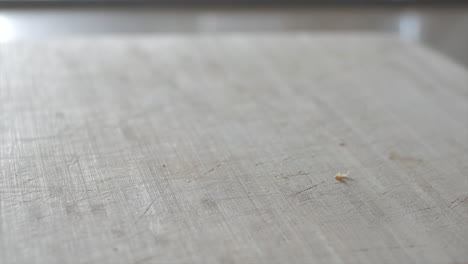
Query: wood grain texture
x=223 y=149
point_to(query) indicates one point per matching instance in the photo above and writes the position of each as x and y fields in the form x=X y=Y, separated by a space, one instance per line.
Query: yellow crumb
x=340 y=176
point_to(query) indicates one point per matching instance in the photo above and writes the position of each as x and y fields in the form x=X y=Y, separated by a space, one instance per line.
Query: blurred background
x=439 y=24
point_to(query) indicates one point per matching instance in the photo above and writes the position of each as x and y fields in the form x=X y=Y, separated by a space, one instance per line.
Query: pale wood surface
x=223 y=149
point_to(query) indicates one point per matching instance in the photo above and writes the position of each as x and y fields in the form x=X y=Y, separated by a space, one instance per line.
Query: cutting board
x=224 y=149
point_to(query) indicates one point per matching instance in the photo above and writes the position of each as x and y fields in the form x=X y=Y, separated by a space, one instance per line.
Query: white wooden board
x=223 y=149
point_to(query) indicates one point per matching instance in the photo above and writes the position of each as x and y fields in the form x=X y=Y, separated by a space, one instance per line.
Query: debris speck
x=396 y=157
x=342 y=177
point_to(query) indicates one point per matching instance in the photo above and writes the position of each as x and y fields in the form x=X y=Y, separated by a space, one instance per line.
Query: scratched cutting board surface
x=224 y=148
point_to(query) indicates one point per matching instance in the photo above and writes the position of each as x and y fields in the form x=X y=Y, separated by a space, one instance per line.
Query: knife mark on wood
x=307 y=189
x=455 y=204
x=146 y=211
x=74 y=160
x=206 y=173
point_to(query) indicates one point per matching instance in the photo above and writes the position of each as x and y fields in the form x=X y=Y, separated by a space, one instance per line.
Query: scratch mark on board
x=307 y=189
x=206 y=173
x=392 y=188
x=146 y=211
x=455 y=204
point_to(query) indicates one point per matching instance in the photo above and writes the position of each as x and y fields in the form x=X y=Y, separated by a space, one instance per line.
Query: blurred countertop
x=443 y=28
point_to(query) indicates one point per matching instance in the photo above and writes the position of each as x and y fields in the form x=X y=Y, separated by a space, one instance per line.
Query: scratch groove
x=308 y=189
x=146 y=211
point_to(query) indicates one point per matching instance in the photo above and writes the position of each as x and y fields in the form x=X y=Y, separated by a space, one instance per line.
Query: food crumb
x=341 y=177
